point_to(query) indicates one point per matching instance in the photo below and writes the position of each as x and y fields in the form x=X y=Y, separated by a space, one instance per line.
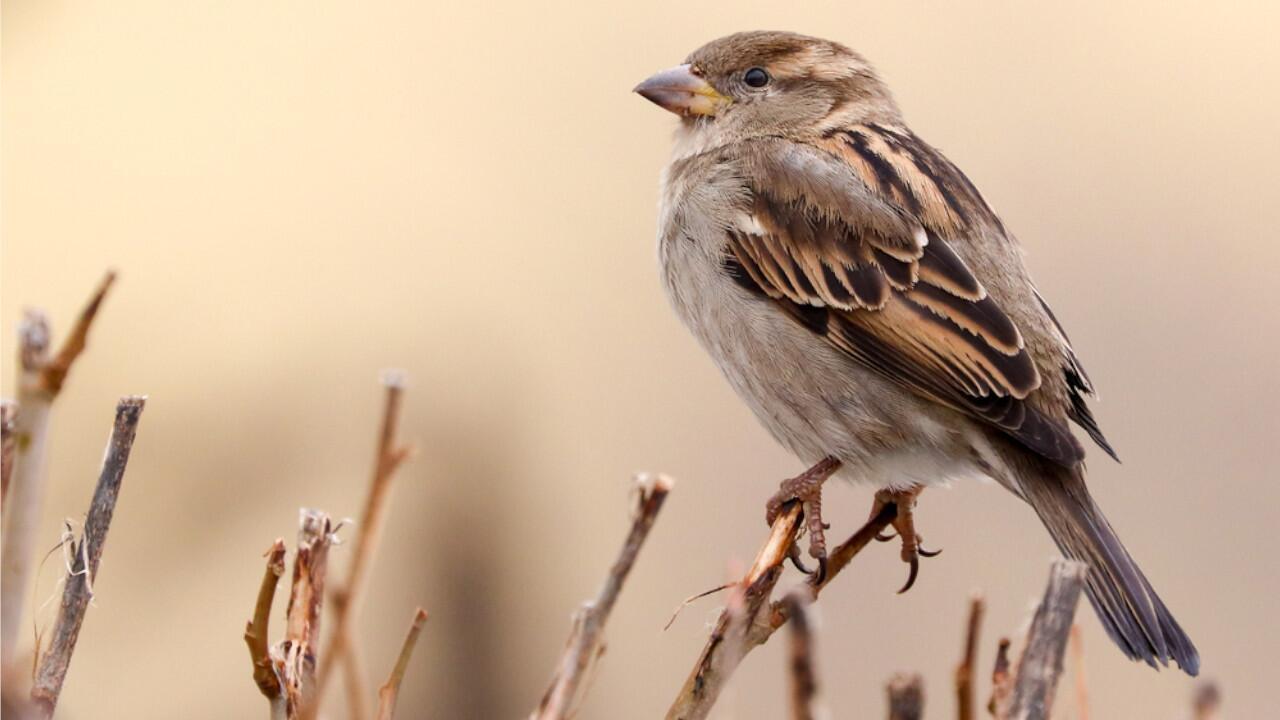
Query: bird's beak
x=682 y=92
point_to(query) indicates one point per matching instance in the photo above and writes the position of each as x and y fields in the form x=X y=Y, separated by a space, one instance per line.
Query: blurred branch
x=965 y=707
x=1001 y=683
x=296 y=654
x=585 y=642
x=87 y=555
x=728 y=644
x=804 y=681
x=1206 y=701
x=8 y=411
x=40 y=379
x=906 y=697
x=342 y=650
x=257 y=630
x=1040 y=666
x=389 y=693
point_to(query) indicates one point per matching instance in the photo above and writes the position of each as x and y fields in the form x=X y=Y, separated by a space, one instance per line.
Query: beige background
x=299 y=194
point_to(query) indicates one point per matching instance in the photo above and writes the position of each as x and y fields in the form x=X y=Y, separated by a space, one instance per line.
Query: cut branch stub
x=295 y=656
x=1040 y=666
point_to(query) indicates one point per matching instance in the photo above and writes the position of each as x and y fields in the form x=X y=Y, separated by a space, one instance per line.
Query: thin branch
x=389 y=693
x=295 y=656
x=906 y=697
x=8 y=411
x=1001 y=682
x=586 y=641
x=1041 y=663
x=40 y=379
x=256 y=632
x=390 y=454
x=804 y=681
x=965 y=703
x=719 y=657
x=87 y=554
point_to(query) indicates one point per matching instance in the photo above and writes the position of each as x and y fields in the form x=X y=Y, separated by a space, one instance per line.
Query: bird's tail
x=1134 y=616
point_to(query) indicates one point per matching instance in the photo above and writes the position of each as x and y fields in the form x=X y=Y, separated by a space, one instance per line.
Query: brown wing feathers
x=902 y=303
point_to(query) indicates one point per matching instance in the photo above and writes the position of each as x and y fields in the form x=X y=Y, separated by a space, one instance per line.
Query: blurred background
x=299 y=194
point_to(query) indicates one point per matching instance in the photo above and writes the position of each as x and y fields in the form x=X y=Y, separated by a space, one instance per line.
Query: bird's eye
x=756 y=77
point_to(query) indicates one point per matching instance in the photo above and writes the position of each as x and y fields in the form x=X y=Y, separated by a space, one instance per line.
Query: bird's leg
x=905 y=525
x=806 y=489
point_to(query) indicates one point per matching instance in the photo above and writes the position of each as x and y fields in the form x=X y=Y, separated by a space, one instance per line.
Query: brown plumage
x=868 y=304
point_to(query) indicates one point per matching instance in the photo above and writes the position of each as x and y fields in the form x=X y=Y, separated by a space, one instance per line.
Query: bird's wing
x=846 y=237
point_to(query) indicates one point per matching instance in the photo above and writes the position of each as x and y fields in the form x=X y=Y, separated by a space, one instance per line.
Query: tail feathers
x=1133 y=615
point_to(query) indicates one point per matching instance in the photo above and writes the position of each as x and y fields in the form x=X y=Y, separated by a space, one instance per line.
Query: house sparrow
x=868 y=304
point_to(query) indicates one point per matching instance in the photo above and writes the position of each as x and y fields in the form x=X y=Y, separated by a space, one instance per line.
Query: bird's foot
x=806 y=489
x=905 y=525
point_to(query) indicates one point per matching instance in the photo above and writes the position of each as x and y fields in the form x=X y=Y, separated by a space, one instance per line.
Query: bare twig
x=586 y=641
x=40 y=379
x=87 y=554
x=1041 y=662
x=389 y=693
x=8 y=411
x=965 y=704
x=54 y=372
x=295 y=656
x=804 y=681
x=1001 y=683
x=257 y=632
x=719 y=657
x=1206 y=701
x=342 y=649
x=906 y=697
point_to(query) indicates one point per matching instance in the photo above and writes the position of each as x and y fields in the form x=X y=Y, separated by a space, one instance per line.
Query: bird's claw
x=806 y=489
x=904 y=527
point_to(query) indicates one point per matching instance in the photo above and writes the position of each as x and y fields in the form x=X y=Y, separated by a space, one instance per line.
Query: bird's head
x=758 y=84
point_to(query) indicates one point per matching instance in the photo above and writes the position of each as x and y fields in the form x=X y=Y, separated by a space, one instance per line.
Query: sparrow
x=874 y=312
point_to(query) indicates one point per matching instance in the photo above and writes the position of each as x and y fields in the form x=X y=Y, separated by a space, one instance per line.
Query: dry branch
x=586 y=640
x=804 y=681
x=389 y=693
x=727 y=644
x=390 y=454
x=965 y=703
x=40 y=379
x=87 y=555
x=906 y=697
x=1036 y=678
x=257 y=631
x=295 y=656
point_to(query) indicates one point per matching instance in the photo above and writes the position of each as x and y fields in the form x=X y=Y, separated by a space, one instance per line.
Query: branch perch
x=730 y=641
x=40 y=379
x=389 y=693
x=87 y=554
x=389 y=456
x=1040 y=666
x=585 y=641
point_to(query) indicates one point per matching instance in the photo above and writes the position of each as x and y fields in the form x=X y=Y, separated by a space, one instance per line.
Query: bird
x=866 y=302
